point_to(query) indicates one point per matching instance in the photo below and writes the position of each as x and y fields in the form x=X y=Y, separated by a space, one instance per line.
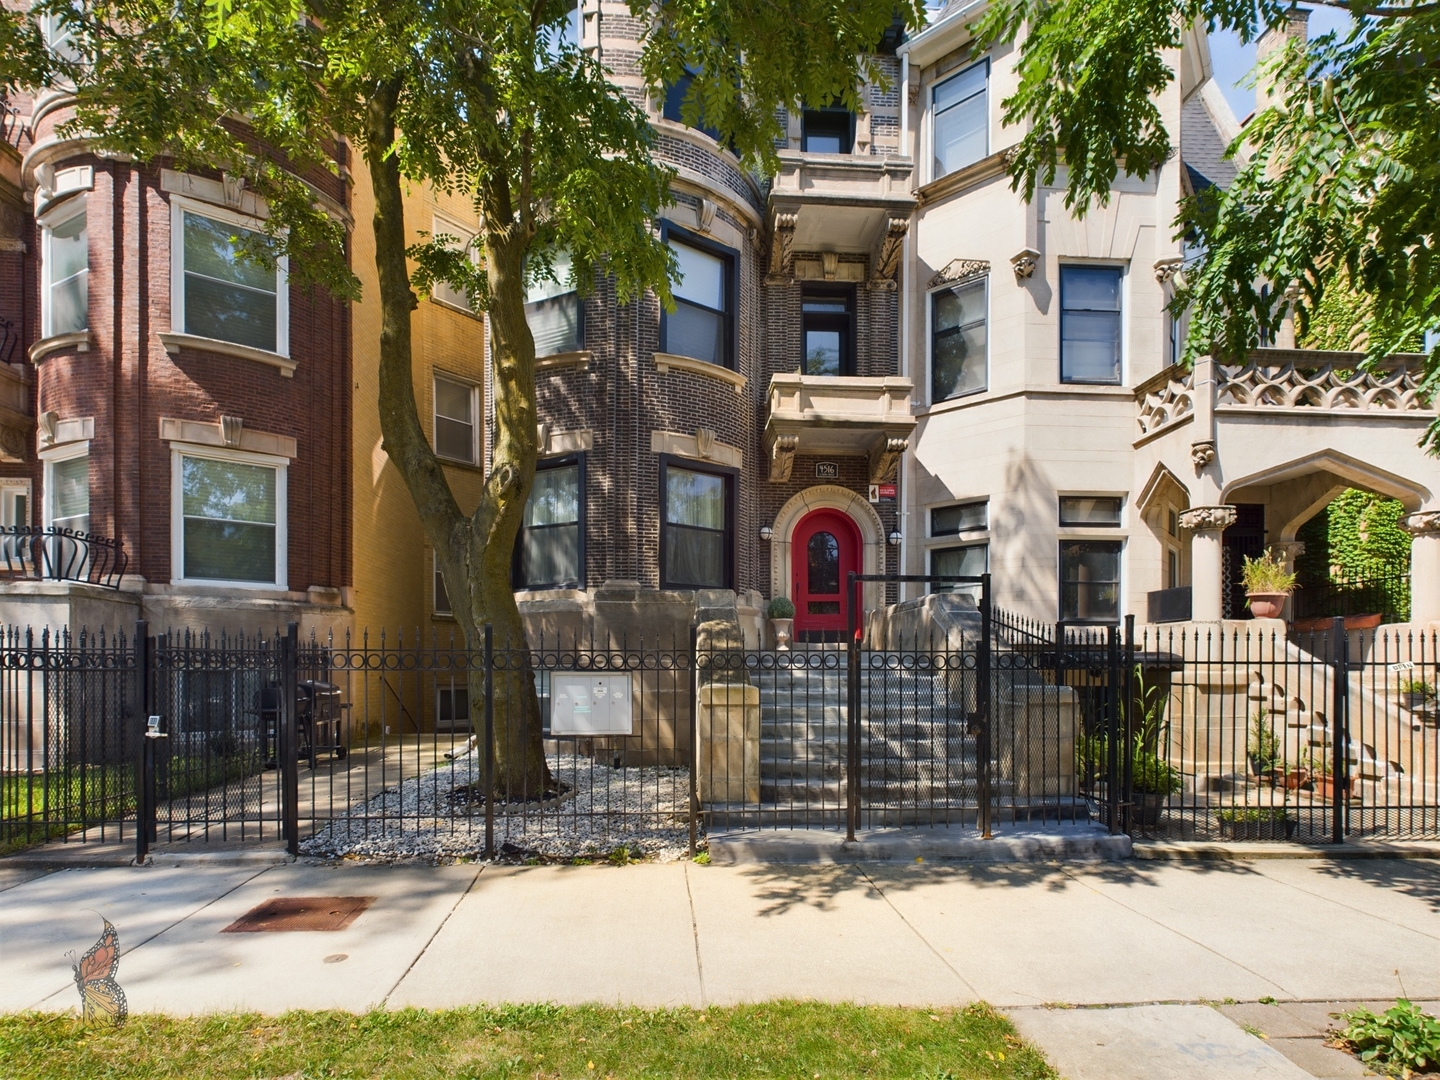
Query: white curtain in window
x=695 y=506
x=67 y=277
x=226 y=297
x=230 y=520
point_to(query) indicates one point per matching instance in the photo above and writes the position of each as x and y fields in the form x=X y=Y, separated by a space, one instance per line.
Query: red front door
x=823 y=552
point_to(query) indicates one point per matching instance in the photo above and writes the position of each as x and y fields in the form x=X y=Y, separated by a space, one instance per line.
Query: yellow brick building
x=395 y=585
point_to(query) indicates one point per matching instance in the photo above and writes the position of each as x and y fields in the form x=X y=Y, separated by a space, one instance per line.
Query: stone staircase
x=916 y=760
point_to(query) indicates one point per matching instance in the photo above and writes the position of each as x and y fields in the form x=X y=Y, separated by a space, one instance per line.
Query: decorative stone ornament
x=782 y=257
x=1023 y=262
x=1205 y=518
x=782 y=457
x=1167 y=268
x=704 y=441
x=705 y=215
x=885 y=263
x=1202 y=453
x=960 y=270
x=1424 y=523
x=885 y=459
x=232 y=431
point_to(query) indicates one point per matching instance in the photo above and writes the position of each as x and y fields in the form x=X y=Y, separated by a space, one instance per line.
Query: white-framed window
x=452 y=702
x=67 y=488
x=960 y=125
x=14 y=515
x=440 y=597
x=228 y=518
x=554 y=311
x=959 y=340
x=959 y=519
x=443 y=292
x=59 y=35
x=457 y=405
x=65 y=270
x=1091 y=511
x=217 y=294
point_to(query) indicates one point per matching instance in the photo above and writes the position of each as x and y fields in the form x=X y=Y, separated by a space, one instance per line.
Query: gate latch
x=152 y=729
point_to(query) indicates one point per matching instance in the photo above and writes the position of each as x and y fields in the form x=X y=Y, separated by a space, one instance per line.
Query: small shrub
x=1251 y=813
x=1153 y=776
x=1416 y=686
x=703 y=858
x=1402 y=1039
x=1266 y=574
x=622 y=856
x=1264 y=744
x=781 y=608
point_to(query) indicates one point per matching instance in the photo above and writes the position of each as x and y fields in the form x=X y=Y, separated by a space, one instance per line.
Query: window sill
x=578 y=359
x=174 y=343
x=78 y=341
x=665 y=361
x=459 y=463
x=457 y=308
x=972 y=174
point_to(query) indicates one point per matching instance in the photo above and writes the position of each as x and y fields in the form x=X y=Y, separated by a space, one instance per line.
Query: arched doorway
x=825 y=549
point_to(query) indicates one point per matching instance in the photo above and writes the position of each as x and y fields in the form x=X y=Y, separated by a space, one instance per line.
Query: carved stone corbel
x=782 y=457
x=705 y=215
x=1202 y=453
x=1424 y=523
x=1205 y=518
x=1023 y=262
x=885 y=459
x=49 y=426
x=234 y=189
x=830 y=264
x=1167 y=268
x=232 y=430
x=782 y=257
x=885 y=263
x=542 y=437
x=704 y=441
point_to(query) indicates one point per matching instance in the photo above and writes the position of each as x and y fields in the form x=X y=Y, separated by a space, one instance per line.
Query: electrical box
x=590 y=704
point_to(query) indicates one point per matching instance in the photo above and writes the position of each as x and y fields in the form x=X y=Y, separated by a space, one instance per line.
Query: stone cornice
x=667 y=361
x=174 y=343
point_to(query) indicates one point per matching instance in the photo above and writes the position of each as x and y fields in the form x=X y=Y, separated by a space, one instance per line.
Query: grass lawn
x=800 y=1040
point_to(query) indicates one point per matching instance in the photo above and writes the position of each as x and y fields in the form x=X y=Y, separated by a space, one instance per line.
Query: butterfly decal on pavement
x=100 y=994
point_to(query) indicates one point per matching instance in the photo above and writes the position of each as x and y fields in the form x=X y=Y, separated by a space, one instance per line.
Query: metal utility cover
x=301 y=913
x=590 y=704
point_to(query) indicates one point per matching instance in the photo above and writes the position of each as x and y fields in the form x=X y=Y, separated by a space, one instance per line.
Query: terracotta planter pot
x=1266 y=605
x=782 y=632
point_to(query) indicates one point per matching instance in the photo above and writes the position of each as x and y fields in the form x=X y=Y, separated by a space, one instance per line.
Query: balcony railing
x=1386 y=595
x=30 y=553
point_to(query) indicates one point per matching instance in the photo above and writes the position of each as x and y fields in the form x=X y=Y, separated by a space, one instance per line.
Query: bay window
x=961 y=124
x=1090 y=327
x=700 y=325
x=959 y=341
x=220 y=294
x=65 y=254
x=554 y=311
x=697 y=529
x=230 y=518
x=549 y=551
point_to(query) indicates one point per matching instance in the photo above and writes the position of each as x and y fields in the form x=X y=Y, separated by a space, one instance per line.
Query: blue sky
x=1232 y=61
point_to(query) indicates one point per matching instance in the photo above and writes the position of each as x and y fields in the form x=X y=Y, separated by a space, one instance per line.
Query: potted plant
x=1417 y=692
x=781 y=613
x=1318 y=766
x=1266 y=759
x=1152 y=781
x=1255 y=823
x=1267 y=584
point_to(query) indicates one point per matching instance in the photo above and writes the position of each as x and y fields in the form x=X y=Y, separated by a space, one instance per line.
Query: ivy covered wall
x=1357 y=536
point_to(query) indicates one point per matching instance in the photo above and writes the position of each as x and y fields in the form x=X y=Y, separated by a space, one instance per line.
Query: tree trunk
x=473 y=554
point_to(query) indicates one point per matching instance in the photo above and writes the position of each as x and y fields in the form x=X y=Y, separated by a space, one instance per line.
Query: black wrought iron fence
x=398 y=747
x=1383 y=595
x=68 y=723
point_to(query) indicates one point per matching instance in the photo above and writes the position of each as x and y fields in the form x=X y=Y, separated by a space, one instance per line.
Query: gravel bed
x=642 y=809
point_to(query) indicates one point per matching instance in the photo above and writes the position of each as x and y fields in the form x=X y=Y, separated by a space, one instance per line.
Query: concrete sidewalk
x=1019 y=935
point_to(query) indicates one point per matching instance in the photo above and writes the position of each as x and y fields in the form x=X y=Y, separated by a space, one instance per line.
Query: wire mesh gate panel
x=68 y=705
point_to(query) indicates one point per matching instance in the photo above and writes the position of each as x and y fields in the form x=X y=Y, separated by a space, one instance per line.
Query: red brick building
x=187 y=409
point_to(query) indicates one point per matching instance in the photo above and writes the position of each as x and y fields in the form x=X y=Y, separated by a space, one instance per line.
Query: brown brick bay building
x=189 y=409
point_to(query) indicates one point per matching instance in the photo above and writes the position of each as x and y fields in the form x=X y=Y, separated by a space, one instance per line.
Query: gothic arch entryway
x=824 y=550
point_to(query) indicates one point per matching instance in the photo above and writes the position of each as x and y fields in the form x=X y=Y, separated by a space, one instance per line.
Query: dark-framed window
x=550 y=547
x=1090 y=326
x=702 y=326
x=830 y=130
x=961 y=518
x=967 y=560
x=1090 y=511
x=697 y=526
x=961 y=119
x=1090 y=580
x=555 y=312
x=959 y=340
x=674 y=108
x=827 y=319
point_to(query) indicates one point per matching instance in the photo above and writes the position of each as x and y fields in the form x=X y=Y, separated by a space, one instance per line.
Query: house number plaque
x=827 y=470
